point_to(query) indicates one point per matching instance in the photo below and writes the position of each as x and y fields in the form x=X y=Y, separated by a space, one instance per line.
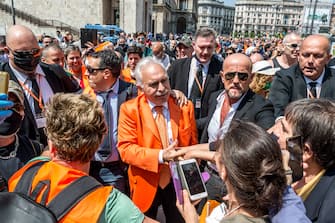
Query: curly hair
x=259 y=83
x=254 y=167
x=75 y=125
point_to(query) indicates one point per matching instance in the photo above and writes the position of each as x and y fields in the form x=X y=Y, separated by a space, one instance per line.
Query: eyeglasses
x=91 y=70
x=26 y=53
x=293 y=45
x=241 y=76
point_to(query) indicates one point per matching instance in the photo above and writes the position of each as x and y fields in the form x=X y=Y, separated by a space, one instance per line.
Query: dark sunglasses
x=91 y=70
x=241 y=76
x=33 y=52
x=293 y=45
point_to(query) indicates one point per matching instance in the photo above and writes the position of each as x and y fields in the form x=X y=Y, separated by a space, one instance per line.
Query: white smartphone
x=191 y=179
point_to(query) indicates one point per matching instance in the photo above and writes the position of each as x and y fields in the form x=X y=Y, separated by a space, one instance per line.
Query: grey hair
x=142 y=64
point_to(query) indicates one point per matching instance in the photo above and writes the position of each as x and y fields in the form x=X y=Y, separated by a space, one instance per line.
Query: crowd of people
x=258 y=115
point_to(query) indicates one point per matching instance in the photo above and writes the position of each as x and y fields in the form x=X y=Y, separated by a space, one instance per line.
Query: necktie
x=36 y=91
x=313 y=88
x=106 y=146
x=164 y=173
x=196 y=92
x=225 y=109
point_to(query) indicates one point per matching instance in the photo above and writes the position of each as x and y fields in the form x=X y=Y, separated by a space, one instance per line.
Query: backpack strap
x=72 y=195
x=25 y=182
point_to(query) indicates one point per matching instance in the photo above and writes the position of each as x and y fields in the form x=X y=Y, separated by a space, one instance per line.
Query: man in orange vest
x=75 y=128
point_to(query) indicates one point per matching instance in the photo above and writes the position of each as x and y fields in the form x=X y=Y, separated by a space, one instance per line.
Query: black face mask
x=11 y=124
x=27 y=62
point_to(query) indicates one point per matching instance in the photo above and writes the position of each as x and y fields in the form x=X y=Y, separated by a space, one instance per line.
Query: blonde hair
x=75 y=125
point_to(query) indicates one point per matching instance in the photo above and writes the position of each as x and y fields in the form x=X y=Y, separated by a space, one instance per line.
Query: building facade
x=317 y=16
x=214 y=14
x=272 y=17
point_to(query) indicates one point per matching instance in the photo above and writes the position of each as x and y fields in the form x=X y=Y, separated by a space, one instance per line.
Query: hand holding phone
x=295 y=146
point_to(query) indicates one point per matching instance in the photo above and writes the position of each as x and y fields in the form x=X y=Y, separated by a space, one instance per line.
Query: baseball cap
x=186 y=41
x=264 y=67
x=14 y=88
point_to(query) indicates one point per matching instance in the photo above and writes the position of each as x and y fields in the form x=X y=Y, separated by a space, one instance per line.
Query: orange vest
x=87 y=210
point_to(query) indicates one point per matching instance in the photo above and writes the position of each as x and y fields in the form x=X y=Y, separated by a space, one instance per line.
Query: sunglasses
x=91 y=70
x=241 y=76
x=293 y=45
x=26 y=53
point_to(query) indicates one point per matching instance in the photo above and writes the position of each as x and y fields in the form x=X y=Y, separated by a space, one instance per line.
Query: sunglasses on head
x=293 y=45
x=241 y=76
x=25 y=53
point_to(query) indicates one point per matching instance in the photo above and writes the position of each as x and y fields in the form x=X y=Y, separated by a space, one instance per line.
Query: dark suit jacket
x=58 y=81
x=179 y=74
x=289 y=85
x=320 y=203
x=253 y=108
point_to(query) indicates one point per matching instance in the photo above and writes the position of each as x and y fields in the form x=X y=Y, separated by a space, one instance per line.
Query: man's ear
x=307 y=152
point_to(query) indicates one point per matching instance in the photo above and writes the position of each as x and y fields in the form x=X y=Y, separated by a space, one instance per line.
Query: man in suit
x=150 y=126
x=39 y=81
x=103 y=69
x=310 y=78
x=197 y=77
x=237 y=101
x=312 y=122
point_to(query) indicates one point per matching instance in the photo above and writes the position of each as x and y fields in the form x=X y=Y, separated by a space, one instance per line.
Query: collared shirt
x=318 y=85
x=193 y=70
x=42 y=82
x=112 y=127
x=215 y=131
x=166 y=114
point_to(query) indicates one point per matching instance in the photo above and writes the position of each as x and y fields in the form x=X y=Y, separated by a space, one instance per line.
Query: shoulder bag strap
x=72 y=195
x=25 y=182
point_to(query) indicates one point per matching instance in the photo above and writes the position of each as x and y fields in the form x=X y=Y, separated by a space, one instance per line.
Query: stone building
x=177 y=16
x=257 y=17
x=214 y=14
x=70 y=15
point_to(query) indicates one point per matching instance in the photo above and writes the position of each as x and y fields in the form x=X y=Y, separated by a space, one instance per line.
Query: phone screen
x=88 y=35
x=193 y=178
x=294 y=146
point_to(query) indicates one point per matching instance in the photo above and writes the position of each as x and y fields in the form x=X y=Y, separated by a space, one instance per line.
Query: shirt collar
x=152 y=105
x=22 y=77
x=318 y=81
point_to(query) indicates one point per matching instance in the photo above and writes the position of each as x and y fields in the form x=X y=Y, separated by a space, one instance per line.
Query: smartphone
x=88 y=35
x=4 y=80
x=174 y=169
x=191 y=179
x=294 y=146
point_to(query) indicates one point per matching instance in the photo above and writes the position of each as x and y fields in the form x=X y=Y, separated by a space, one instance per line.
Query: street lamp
x=13 y=12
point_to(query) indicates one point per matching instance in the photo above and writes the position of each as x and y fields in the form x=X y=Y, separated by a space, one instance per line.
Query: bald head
x=158 y=49
x=238 y=59
x=321 y=41
x=21 y=38
x=24 y=52
x=256 y=57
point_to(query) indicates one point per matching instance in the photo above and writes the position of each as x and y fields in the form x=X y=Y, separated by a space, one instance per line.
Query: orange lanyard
x=39 y=98
x=198 y=83
x=311 y=95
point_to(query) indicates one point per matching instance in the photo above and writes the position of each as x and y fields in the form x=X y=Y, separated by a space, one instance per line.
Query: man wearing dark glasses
x=236 y=101
x=289 y=55
x=39 y=81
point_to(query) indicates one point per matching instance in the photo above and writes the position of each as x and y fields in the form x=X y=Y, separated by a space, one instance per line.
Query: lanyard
x=198 y=83
x=39 y=98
